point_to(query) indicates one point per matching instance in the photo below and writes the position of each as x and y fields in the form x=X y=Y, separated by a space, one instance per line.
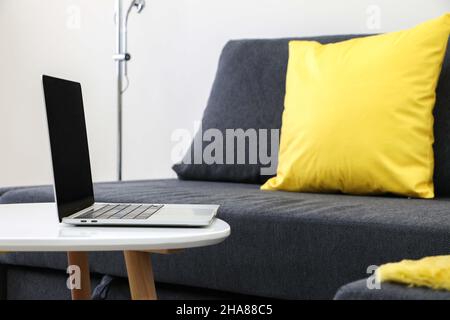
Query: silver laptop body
x=72 y=172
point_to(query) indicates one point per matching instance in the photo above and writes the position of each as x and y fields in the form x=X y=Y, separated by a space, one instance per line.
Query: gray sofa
x=283 y=245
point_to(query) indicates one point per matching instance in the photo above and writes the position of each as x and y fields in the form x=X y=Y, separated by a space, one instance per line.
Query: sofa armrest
x=358 y=290
x=19 y=194
x=7 y=189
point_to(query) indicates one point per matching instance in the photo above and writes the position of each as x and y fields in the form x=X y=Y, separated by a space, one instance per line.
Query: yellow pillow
x=358 y=114
x=433 y=272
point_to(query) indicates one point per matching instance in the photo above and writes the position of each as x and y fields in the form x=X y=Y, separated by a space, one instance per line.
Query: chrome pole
x=119 y=62
x=122 y=57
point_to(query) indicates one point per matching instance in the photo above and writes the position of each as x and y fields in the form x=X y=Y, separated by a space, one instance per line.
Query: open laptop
x=72 y=171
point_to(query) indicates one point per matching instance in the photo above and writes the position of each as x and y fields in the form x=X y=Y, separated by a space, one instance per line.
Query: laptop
x=73 y=188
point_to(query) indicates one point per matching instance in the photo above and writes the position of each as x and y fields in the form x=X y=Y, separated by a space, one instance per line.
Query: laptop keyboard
x=122 y=211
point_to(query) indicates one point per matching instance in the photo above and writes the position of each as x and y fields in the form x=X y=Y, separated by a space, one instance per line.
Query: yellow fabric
x=358 y=114
x=432 y=272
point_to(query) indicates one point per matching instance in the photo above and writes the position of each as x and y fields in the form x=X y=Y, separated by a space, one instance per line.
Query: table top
x=35 y=227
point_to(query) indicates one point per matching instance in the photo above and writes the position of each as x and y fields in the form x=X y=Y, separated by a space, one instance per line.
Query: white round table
x=35 y=227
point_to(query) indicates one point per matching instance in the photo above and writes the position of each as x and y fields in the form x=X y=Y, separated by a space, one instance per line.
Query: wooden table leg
x=140 y=275
x=81 y=260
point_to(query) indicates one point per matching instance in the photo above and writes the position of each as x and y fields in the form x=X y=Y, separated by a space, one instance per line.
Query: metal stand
x=122 y=57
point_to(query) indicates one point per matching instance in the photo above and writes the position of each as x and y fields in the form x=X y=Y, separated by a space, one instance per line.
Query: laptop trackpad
x=184 y=214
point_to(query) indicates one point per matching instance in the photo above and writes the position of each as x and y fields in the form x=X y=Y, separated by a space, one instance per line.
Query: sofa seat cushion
x=388 y=291
x=283 y=245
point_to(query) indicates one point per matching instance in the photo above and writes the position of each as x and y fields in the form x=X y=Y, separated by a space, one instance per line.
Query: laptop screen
x=69 y=145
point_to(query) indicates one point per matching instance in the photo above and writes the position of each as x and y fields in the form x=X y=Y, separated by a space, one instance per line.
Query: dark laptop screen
x=69 y=145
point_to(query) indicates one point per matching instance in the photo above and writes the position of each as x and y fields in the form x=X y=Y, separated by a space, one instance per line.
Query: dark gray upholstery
x=248 y=92
x=284 y=245
x=388 y=291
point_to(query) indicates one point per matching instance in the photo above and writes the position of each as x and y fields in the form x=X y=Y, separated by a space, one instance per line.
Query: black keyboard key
x=92 y=213
x=87 y=215
x=112 y=211
x=124 y=212
x=102 y=210
x=135 y=212
x=149 y=212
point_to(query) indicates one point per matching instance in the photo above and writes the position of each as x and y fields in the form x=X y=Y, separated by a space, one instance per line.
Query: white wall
x=175 y=46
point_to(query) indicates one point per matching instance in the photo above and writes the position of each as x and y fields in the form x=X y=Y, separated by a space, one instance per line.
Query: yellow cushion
x=358 y=114
x=433 y=272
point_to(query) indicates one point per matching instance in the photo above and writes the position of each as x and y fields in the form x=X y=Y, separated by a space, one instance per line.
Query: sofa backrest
x=248 y=92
